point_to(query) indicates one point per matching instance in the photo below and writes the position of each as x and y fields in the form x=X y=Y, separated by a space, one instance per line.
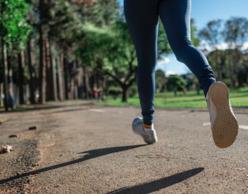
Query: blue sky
x=202 y=12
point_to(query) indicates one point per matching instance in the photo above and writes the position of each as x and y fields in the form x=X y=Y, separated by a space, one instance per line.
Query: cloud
x=168 y=73
x=222 y=46
x=163 y=60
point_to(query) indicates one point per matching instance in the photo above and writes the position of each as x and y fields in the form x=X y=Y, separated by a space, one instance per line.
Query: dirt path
x=92 y=149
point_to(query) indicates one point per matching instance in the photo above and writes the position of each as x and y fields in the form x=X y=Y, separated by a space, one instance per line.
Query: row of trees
x=56 y=50
x=227 y=51
x=63 y=49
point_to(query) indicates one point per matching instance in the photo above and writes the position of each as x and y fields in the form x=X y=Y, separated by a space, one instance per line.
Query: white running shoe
x=223 y=121
x=149 y=135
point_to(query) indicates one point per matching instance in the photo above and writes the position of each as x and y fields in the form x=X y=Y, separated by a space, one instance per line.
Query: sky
x=202 y=12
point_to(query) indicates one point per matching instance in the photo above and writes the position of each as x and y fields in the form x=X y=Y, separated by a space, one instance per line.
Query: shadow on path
x=159 y=184
x=90 y=155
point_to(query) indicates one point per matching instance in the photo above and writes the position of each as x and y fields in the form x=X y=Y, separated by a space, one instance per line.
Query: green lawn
x=238 y=97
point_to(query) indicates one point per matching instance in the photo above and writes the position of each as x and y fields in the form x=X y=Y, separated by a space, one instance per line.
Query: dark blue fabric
x=142 y=19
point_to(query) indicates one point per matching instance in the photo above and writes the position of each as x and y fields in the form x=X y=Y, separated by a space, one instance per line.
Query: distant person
x=95 y=93
x=142 y=19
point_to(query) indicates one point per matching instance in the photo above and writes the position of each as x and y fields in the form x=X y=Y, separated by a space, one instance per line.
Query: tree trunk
x=60 y=77
x=54 y=80
x=49 y=80
x=1 y=92
x=86 y=82
x=5 y=74
x=80 y=82
x=21 y=76
x=66 y=78
x=11 y=84
x=31 y=63
x=10 y=80
x=42 y=69
x=124 y=93
x=75 y=80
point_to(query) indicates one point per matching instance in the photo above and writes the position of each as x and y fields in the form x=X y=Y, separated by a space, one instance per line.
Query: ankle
x=147 y=126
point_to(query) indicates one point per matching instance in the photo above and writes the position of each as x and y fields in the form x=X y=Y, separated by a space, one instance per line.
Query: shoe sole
x=225 y=126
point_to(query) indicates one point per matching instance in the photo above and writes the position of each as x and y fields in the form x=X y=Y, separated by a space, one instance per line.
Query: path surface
x=81 y=148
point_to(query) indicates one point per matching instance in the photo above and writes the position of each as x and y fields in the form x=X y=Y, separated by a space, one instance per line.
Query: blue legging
x=142 y=19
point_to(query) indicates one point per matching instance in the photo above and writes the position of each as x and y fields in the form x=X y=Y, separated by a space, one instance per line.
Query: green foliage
x=212 y=32
x=236 y=31
x=101 y=12
x=176 y=82
x=114 y=92
x=64 y=25
x=109 y=47
x=133 y=90
x=14 y=28
x=195 y=40
x=163 y=43
x=230 y=65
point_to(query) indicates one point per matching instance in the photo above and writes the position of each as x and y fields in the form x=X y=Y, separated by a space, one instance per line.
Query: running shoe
x=149 y=135
x=224 y=124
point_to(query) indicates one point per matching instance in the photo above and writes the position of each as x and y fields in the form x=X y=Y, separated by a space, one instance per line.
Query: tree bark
x=49 y=80
x=80 y=82
x=75 y=80
x=31 y=62
x=10 y=75
x=21 y=63
x=54 y=80
x=124 y=93
x=1 y=92
x=5 y=67
x=61 y=77
x=66 y=78
x=42 y=69
x=86 y=82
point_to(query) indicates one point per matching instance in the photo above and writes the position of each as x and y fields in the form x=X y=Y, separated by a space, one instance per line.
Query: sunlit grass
x=238 y=97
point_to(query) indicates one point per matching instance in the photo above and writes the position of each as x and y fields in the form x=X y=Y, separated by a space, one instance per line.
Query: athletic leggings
x=142 y=19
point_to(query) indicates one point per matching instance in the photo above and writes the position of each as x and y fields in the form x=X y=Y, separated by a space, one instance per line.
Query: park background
x=75 y=50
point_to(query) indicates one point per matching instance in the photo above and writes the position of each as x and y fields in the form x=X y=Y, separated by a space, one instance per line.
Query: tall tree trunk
x=21 y=63
x=74 y=87
x=31 y=62
x=86 y=82
x=1 y=92
x=54 y=80
x=10 y=80
x=66 y=78
x=80 y=82
x=5 y=74
x=42 y=72
x=60 y=77
x=42 y=69
x=49 y=80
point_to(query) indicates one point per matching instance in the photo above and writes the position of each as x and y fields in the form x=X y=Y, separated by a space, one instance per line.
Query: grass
x=238 y=97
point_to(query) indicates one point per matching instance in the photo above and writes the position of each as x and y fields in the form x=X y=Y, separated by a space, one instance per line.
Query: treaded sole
x=225 y=126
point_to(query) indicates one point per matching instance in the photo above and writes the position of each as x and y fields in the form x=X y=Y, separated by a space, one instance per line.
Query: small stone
x=2 y=121
x=32 y=128
x=11 y=136
x=5 y=149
